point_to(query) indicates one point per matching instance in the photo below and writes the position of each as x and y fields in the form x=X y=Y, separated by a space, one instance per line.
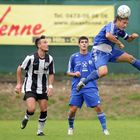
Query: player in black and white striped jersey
x=38 y=82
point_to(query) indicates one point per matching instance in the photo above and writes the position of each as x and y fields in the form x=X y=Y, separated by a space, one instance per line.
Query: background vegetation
x=120 y=95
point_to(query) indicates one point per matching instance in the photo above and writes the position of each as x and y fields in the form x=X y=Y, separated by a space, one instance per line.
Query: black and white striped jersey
x=37 y=71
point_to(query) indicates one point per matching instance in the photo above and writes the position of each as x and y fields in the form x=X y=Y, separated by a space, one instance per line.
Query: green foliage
x=134 y=96
x=119 y=99
x=51 y=101
x=115 y=98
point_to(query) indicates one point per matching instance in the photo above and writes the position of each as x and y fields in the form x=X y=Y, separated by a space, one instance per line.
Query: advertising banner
x=62 y=24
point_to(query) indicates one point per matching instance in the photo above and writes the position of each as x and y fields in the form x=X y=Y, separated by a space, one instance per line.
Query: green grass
x=134 y=96
x=84 y=130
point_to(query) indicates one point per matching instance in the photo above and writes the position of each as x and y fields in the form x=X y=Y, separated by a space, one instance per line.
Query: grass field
x=84 y=130
x=120 y=101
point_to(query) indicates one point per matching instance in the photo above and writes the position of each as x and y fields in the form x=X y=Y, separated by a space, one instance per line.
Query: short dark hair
x=120 y=18
x=82 y=38
x=38 y=39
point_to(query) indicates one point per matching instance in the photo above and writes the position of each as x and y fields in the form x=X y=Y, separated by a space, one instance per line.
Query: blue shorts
x=102 y=58
x=89 y=96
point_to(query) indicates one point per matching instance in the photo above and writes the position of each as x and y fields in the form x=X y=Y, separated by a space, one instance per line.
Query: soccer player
x=80 y=66
x=38 y=82
x=104 y=49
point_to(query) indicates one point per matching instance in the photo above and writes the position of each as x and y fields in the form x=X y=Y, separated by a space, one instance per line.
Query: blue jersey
x=111 y=28
x=84 y=64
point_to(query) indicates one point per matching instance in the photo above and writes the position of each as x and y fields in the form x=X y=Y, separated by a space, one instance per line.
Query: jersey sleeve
x=123 y=34
x=25 y=64
x=109 y=28
x=51 y=67
x=70 y=64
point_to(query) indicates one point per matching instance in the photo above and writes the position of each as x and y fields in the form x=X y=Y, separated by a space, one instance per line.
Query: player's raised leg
x=30 y=101
x=94 y=75
x=125 y=57
x=26 y=119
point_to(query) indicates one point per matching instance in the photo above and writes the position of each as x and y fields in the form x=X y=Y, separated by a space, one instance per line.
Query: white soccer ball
x=124 y=11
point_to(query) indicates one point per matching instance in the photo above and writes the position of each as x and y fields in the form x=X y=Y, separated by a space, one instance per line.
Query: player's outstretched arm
x=19 y=80
x=132 y=37
x=113 y=39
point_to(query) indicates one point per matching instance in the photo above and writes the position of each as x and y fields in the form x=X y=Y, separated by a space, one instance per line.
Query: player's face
x=122 y=24
x=83 y=45
x=43 y=45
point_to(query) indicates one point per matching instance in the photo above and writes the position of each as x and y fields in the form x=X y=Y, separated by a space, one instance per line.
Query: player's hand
x=18 y=88
x=50 y=91
x=77 y=74
x=134 y=35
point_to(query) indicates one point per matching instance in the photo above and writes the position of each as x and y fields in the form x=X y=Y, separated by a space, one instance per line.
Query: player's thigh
x=31 y=104
x=116 y=54
x=92 y=98
x=43 y=101
x=100 y=58
x=125 y=57
x=76 y=99
x=30 y=98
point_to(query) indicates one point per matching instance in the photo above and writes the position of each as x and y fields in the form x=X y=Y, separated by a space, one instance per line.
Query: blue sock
x=102 y=119
x=71 y=122
x=136 y=64
x=92 y=76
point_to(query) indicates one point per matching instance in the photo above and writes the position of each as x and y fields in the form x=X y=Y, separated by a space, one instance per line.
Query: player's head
x=42 y=43
x=121 y=23
x=83 y=43
x=82 y=38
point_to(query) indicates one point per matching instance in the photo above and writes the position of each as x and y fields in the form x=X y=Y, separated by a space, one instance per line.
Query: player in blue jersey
x=80 y=66
x=104 y=49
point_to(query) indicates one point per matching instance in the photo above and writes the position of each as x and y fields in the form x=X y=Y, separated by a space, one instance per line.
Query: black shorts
x=35 y=95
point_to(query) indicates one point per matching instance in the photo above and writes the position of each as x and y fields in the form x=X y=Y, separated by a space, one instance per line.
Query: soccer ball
x=124 y=11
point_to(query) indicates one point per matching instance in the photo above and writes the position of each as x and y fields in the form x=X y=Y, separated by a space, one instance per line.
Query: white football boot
x=70 y=131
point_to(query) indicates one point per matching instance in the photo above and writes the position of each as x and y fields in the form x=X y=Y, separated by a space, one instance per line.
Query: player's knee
x=103 y=73
x=72 y=111
x=128 y=58
x=131 y=59
x=98 y=109
x=29 y=112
